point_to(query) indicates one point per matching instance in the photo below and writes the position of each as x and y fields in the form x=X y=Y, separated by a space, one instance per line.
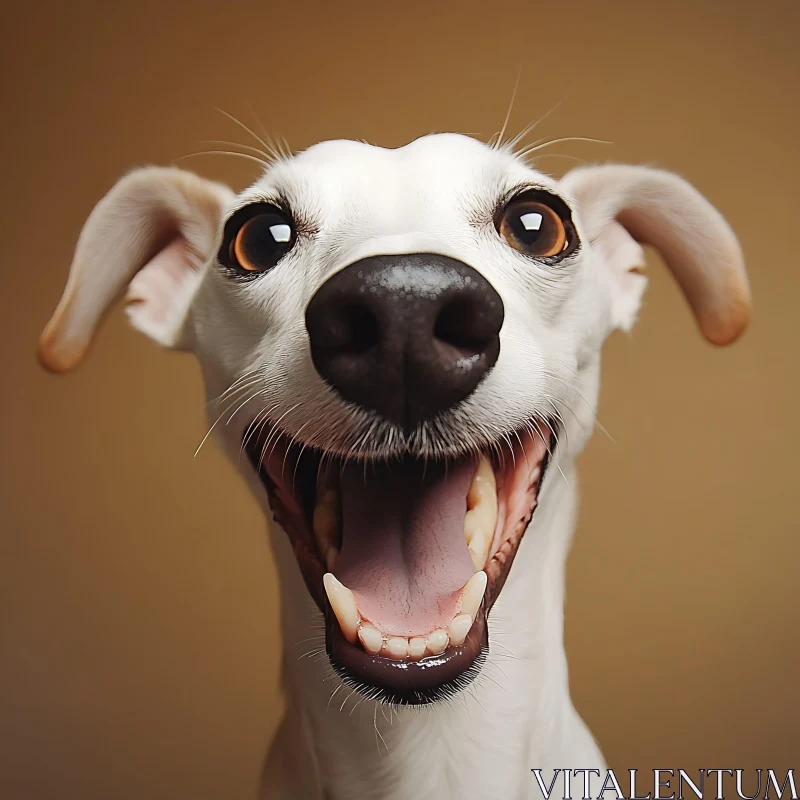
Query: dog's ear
x=620 y=207
x=151 y=233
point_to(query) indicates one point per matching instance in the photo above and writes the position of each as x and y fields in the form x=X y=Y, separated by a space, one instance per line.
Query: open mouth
x=404 y=557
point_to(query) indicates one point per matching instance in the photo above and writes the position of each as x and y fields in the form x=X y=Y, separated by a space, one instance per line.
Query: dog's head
x=401 y=341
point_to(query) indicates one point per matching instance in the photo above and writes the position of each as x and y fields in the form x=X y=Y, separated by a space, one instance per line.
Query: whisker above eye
x=245 y=128
x=512 y=143
x=225 y=153
x=548 y=142
x=279 y=151
x=255 y=150
x=498 y=144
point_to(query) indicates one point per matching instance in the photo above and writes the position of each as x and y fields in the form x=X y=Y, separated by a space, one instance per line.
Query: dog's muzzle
x=407 y=336
x=404 y=555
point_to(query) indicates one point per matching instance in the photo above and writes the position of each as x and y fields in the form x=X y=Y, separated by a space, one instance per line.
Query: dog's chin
x=404 y=557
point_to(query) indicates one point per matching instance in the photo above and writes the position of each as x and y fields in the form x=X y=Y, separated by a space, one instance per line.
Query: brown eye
x=533 y=225
x=257 y=237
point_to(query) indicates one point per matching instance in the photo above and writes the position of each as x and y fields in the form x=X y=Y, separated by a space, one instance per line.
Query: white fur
x=437 y=194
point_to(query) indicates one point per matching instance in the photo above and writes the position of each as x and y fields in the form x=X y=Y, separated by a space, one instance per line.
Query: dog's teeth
x=396 y=647
x=472 y=594
x=416 y=648
x=479 y=525
x=371 y=638
x=344 y=606
x=437 y=642
x=481 y=518
x=479 y=542
x=483 y=486
x=459 y=628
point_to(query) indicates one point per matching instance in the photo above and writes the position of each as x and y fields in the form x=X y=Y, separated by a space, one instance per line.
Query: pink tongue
x=403 y=550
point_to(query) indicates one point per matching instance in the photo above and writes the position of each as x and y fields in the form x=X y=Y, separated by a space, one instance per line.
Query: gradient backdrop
x=138 y=638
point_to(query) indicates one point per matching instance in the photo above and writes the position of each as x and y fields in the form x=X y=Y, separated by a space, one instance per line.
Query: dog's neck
x=483 y=742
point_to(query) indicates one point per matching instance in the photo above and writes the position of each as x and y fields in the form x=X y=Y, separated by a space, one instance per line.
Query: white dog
x=406 y=343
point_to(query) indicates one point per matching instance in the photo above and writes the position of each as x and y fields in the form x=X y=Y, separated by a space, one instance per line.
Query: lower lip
x=407 y=682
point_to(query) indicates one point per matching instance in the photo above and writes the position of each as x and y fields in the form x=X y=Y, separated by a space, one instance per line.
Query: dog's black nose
x=407 y=336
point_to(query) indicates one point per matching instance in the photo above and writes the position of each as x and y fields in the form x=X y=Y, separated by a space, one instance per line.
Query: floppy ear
x=151 y=233
x=622 y=206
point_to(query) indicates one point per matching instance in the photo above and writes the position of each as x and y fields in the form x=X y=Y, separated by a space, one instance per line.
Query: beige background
x=138 y=637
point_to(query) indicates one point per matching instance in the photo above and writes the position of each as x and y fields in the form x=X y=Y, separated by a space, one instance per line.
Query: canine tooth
x=481 y=518
x=483 y=487
x=371 y=638
x=344 y=606
x=472 y=594
x=416 y=648
x=397 y=647
x=437 y=642
x=459 y=628
x=478 y=541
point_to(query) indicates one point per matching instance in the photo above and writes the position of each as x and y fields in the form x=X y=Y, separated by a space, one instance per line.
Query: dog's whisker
x=275 y=434
x=216 y=421
x=513 y=143
x=279 y=153
x=487 y=677
x=548 y=143
x=224 y=153
x=604 y=431
x=284 y=148
x=344 y=702
x=504 y=650
x=248 y=374
x=559 y=418
x=317 y=638
x=315 y=652
x=357 y=704
x=232 y=391
x=257 y=424
x=333 y=694
x=257 y=151
x=299 y=455
x=248 y=399
x=245 y=128
x=498 y=143
x=378 y=734
x=571 y=385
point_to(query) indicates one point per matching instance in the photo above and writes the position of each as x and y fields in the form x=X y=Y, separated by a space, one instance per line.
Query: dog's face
x=402 y=341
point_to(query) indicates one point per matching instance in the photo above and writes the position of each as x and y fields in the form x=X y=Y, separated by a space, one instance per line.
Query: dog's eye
x=534 y=224
x=258 y=238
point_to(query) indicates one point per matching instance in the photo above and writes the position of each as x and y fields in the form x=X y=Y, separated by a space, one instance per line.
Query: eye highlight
x=256 y=238
x=537 y=224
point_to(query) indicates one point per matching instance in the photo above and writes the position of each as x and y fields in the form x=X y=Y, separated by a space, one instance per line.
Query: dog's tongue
x=403 y=551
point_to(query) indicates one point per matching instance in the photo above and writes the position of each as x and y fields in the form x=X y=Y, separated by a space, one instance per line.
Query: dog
x=406 y=344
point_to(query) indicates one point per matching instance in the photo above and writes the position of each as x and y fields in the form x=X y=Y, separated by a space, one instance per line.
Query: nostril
x=364 y=330
x=350 y=329
x=458 y=325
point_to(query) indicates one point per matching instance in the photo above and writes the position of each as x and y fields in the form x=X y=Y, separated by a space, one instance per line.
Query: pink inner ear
x=153 y=294
x=619 y=250
x=623 y=257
